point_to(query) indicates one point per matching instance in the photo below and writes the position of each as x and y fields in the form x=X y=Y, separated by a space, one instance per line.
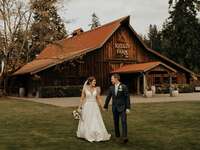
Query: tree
x=145 y=39
x=95 y=21
x=47 y=26
x=154 y=37
x=1 y=53
x=180 y=34
x=16 y=18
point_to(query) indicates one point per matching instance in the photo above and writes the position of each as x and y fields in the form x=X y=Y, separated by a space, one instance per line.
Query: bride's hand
x=127 y=111
x=79 y=109
x=103 y=109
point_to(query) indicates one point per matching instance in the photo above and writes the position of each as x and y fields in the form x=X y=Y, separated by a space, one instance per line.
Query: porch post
x=170 y=85
x=170 y=80
x=138 y=85
x=144 y=83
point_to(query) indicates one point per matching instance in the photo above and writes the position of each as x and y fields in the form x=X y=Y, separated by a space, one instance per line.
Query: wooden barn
x=111 y=48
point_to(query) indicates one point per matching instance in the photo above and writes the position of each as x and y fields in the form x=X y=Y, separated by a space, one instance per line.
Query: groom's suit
x=120 y=102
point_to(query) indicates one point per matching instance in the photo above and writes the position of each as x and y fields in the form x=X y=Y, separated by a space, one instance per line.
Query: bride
x=91 y=126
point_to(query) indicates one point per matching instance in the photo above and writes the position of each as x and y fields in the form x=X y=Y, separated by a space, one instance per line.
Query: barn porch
x=141 y=77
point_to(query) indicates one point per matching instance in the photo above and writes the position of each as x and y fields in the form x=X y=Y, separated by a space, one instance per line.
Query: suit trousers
x=117 y=115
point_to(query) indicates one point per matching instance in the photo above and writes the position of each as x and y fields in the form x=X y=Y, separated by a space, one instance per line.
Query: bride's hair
x=90 y=79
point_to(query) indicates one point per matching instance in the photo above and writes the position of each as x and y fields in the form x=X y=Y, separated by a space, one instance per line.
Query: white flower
x=76 y=114
x=120 y=88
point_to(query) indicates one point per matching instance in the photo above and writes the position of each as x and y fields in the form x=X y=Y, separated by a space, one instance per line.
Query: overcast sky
x=142 y=12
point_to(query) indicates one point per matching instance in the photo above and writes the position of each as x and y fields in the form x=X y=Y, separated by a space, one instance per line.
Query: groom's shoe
x=125 y=140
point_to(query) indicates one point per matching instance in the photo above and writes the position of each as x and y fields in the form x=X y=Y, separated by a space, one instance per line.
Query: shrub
x=185 y=88
x=60 y=91
x=162 y=90
x=182 y=88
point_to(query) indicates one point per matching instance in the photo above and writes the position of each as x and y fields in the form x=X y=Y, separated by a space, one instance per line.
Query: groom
x=120 y=105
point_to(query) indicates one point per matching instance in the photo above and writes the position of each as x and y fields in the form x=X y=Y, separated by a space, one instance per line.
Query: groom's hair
x=117 y=76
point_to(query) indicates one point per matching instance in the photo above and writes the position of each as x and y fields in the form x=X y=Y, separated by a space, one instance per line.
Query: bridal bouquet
x=77 y=114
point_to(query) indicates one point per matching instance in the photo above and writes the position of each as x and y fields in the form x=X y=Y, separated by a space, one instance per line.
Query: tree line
x=26 y=27
x=179 y=37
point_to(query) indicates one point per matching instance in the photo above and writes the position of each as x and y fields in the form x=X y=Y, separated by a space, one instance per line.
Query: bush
x=185 y=88
x=162 y=90
x=60 y=91
x=182 y=88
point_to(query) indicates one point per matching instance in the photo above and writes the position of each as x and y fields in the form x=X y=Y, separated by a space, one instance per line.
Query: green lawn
x=27 y=125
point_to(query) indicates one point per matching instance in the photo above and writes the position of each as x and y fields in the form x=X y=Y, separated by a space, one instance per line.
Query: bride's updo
x=90 y=79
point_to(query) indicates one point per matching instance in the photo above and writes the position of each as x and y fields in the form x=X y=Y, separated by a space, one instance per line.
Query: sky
x=142 y=12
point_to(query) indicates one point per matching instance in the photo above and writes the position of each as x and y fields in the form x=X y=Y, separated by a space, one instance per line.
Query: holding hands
x=128 y=111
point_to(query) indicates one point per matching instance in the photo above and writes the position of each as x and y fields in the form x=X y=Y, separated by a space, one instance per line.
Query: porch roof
x=141 y=67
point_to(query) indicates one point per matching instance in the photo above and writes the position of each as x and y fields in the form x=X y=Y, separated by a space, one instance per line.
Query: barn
x=111 y=48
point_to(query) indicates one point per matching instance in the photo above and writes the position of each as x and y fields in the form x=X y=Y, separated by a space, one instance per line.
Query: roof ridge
x=91 y=30
x=117 y=20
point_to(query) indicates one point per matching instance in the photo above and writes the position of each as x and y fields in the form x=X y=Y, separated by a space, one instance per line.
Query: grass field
x=27 y=125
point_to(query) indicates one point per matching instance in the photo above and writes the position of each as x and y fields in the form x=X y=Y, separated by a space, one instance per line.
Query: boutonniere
x=120 y=88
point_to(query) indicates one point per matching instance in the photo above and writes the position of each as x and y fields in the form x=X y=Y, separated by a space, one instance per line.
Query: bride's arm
x=81 y=99
x=99 y=99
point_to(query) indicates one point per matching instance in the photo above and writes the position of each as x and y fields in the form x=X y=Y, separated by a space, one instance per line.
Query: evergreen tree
x=154 y=37
x=180 y=34
x=95 y=21
x=47 y=26
x=145 y=39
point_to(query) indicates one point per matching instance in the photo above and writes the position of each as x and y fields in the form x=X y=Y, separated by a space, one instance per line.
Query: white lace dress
x=91 y=127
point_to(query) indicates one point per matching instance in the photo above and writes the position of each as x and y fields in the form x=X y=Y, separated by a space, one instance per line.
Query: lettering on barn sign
x=122 y=49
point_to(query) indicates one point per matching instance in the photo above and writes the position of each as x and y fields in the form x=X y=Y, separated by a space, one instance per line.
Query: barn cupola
x=77 y=32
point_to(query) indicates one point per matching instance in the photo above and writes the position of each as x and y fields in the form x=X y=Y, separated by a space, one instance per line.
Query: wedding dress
x=91 y=126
